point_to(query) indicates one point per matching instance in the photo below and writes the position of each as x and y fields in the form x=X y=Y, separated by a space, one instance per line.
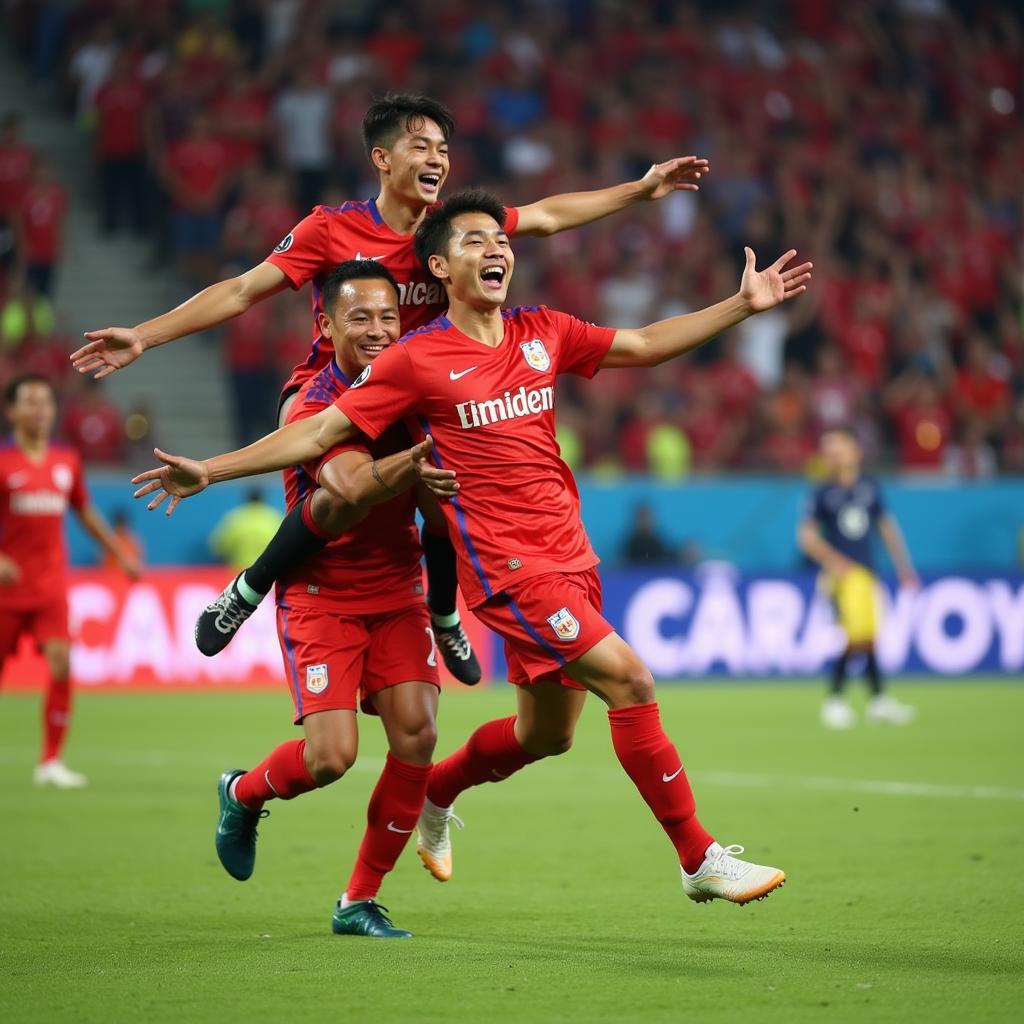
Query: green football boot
x=236 y=830
x=365 y=917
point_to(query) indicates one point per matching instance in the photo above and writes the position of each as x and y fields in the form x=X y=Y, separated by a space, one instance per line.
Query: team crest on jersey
x=362 y=378
x=565 y=624
x=285 y=244
x=62 y=477
x=536 y=355
x=316 y=678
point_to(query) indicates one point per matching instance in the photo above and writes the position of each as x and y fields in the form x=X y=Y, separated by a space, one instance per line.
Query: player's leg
x=613 y=671
x=400 y=684
x=442 y=588
x=303 y=533
x=323 y=657
x=49 y=626
x=882 y=707
x=836 y=713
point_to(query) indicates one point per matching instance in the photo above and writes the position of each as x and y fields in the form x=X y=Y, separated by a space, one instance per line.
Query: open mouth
x=372 y=349
x=493 y=276
x=430 y=182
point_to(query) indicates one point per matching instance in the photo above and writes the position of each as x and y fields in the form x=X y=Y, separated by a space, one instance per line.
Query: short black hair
x=399 y=112
x=15 y=383
x=435 y=233
x=353 y=270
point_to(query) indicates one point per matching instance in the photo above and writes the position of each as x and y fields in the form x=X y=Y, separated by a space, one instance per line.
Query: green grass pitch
x=905 y=898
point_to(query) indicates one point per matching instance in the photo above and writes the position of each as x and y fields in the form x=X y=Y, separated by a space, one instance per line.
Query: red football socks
x=491 y=754
x=390 y=819
x=653 y=764
x=283 y=775
x=56 y=717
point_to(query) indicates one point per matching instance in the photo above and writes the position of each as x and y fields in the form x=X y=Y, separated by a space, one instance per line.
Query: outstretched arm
x=573 y=209
x=113 y=348
x=666 y=339
x=359 y=479
x=301 y=441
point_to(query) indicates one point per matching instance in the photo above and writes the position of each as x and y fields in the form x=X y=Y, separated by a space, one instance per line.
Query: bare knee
x=546 y=742
x=333 y=512
x=58 y=661
x=415 y=744
x=329 y=762
x=635 y=685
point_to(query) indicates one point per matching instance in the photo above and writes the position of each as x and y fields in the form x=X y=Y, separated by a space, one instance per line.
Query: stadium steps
x=109 y=281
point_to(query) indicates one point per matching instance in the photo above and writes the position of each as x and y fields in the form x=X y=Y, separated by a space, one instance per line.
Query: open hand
x=765 y=289
x=178 y=478
x=108 y=350
x=441 y=482
x=676 y=175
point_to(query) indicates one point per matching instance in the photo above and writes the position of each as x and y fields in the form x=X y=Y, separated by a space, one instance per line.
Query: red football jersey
x=333 y=234
x=33 y=499
x=373 y=567
x=491 y=414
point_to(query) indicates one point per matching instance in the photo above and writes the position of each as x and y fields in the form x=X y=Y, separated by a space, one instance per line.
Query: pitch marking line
x=881 y=787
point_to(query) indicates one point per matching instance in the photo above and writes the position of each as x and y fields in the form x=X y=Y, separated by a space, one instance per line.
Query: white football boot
x=724 y=877
x=889 y=711
x=434 y=839
x=837 y=714
x=57 y=773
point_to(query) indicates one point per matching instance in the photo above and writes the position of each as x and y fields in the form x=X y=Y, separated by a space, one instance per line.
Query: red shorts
x=546 y=622
x=332 y=660
x=46 y=622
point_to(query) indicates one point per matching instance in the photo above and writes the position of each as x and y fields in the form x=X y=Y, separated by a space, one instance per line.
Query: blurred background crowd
x=883 y=140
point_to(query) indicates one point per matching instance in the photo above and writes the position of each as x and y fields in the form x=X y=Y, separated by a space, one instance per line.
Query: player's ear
x=323 y=322
x=380 y=158
x=438 y=266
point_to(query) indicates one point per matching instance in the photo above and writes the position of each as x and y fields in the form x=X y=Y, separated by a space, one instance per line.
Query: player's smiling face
x=365 y=322
x=34 y=410
x=479 y=264
x=416 y=164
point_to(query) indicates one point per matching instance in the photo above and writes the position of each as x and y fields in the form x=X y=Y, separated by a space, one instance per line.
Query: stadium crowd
x=883 y=140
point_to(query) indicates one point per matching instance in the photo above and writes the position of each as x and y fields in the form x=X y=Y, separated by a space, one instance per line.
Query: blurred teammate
x=480 y=381
x=406 y=138
x=38 y=481
x=353 y=624
x=838 y=532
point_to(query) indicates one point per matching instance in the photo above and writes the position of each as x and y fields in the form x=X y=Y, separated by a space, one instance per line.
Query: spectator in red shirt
x=197 y=175
x=44 y=205
x=255 y=382
x=923 y=424
x=980 y=390
x=120 y=147
x=15 y=164
x=94 y=426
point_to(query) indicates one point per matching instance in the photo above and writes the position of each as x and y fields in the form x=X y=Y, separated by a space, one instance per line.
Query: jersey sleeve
x=384 y=393
x=511 y=219
x=78 y=497
x=814 y=506
x=582 y=346
x=300 y=254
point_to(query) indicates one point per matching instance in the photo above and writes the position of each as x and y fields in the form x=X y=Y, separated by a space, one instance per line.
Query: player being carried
x=480 y=381
x=406 y=138
x=38 y=481
x=837 y=532
x=353 y=625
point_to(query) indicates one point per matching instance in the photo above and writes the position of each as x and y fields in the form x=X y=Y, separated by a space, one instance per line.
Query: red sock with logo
x=491 y=754
x=390 y=819
x=56 y=717
x=653 y=764
x=282 y=775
